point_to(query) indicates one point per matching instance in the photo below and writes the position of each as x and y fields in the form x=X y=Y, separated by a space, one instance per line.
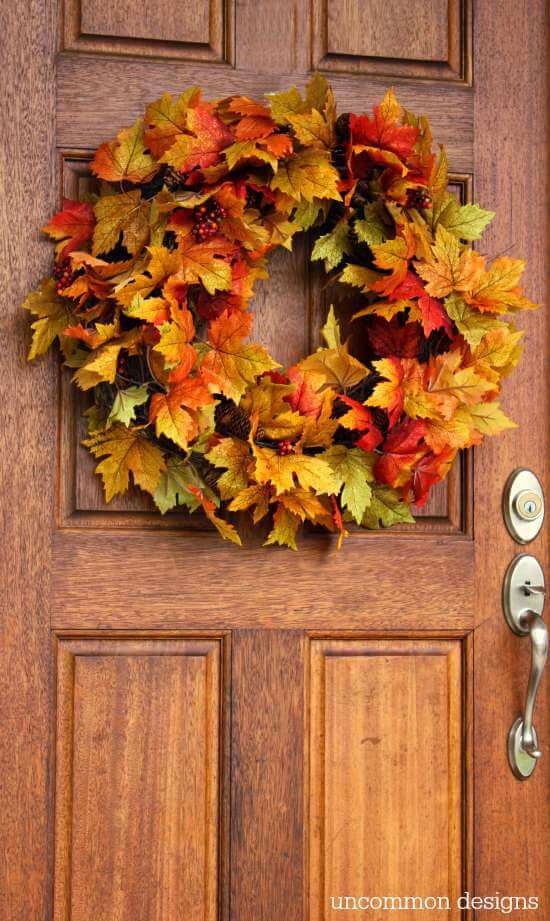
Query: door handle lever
x=538 y=632
x=525 y=580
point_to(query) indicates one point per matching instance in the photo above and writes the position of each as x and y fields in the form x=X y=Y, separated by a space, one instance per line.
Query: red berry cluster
x=285 y=447
x=63 y=274
x=207 y=219
x=419 y=198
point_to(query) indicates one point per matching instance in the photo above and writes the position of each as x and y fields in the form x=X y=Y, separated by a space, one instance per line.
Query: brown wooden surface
x=512 y=841
x=155 y=595
x=27 y=465
x=139 y=743
x=385 y=771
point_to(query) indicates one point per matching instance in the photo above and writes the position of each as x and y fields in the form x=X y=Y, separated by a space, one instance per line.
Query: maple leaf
x=305 y=398
x=125 y=403
x=497 y=290
x=304 y=504
x=498 y=353
x=360 y=277
x=372 y=229
x=382 y=130
x=339 y=369
x=360 y=418
x=124 y=214
x=466 y=222
x=353 y=469
x=126 y=450
x=285 y=526
x=54 y=316
x=173 y=488
x=441 y=434
x=393 y=255
x=230 y=364
x=124 y=159
x=170 y=411
x=256 y=495
x=313 y=129
x=72 y=227
x=151 y=309
x=162 y=263
x=472 y=324
x=233 y=455
x=166 y=120
x=392 y=338
x=202 y=148
x=175 y=338
x=449 y=383
x=402 y=449
x=307 y=175
x=429 y=470
x=100 y=367
x=388 y=394
x=202 y=262
x=386 y=508
x=489 y=419
x=333 y=246
x=281 y=470
x=451 y=268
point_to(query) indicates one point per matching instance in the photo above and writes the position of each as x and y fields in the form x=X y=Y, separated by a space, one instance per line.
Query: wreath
x=149 y=299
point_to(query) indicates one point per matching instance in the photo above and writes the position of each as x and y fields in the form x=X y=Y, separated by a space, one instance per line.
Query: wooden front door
x=191 y=731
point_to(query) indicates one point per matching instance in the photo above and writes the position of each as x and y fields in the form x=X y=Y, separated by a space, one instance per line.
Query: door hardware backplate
x=523 y=505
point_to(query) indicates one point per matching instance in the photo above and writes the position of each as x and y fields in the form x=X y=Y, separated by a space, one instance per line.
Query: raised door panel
x=386 y=797
x=188 y=31
x=427 y=39
x=139 y=754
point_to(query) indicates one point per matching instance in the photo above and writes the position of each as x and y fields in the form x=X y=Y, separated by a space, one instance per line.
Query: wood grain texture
x=190 y=31
x=267 y=764
x=385 y=771
x=94 y=99
x=415 y=39
x=272 y=36
x=139 y=742
x=512 y=117
x=172 y=579
x=27 y=461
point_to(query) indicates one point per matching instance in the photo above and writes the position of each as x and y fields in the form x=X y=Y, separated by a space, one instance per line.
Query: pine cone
x=173 y=179
x=232 y=420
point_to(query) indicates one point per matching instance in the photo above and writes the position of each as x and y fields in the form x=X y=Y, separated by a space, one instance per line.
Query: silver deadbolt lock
x=523 y=505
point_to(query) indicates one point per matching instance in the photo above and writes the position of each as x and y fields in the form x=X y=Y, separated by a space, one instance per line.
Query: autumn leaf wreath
x=149 y=300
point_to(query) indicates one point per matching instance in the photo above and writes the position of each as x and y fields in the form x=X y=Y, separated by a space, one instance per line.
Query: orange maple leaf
x=73 y=226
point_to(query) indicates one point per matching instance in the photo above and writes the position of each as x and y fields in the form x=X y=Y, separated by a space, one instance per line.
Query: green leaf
x=470 y=322
x=173 y=486
x=124 y=406
x=466 y=222
x=353 y=468
x=307 y=212
x=386 y=509
x=372 y=229
x=333 y=246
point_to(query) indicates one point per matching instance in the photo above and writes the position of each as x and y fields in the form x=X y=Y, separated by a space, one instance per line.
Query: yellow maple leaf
x=283 y=471
x=498 y=353
x=307 y=175
x=230 y=364
x=166 y=119
x=393 y=255
x=312 y=129
x=498 y=291
x=54 y=315
x=162 y=263
x=172 y=420
x=285 y=526
x=233 y=455
x=452 y=267
x=256 y=495
x=125 y=214
x=124 y=158
x=126 y=450
x=100 y=367
x=175 y=338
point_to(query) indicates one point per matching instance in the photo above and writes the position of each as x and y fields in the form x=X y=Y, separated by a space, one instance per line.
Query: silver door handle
x=539 y=653
x=523 y=602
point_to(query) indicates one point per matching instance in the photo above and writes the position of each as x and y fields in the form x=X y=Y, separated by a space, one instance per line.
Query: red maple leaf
x=391 y=338
x=75 y=224
x=386 y=134
x=434 y=315
x=430 y=469
x=305 y=399
x=361 y=419
x=211 y=136
x=402 y=449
